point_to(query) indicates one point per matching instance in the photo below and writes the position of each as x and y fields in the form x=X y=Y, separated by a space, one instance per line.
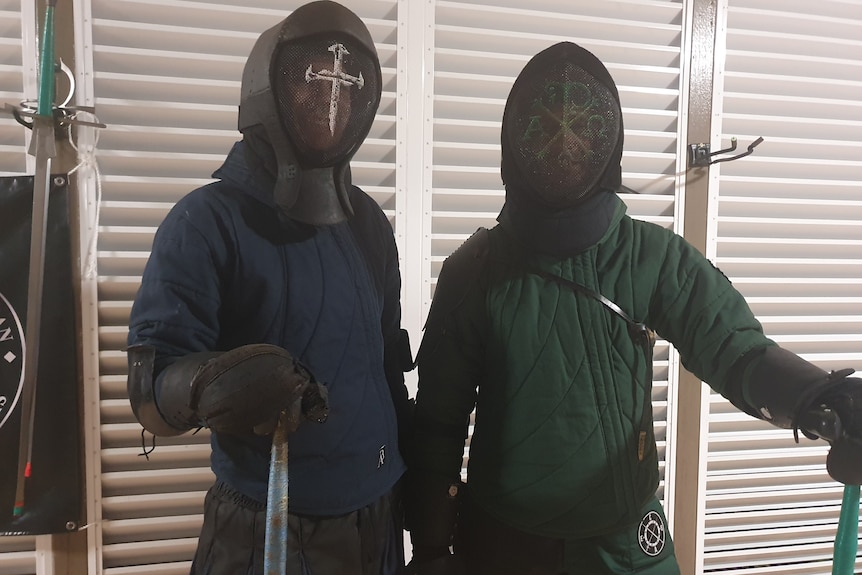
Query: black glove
x=836 y=416
x=241 y=391
x=246 y=389
x=431 y=516
x=845 y=399
x=793 y=393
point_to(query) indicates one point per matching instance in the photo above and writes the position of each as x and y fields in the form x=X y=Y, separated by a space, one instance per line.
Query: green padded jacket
x=563 y=442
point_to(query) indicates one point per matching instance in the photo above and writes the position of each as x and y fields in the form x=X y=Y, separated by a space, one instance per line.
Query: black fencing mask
x=562 y=130
x=310 y=91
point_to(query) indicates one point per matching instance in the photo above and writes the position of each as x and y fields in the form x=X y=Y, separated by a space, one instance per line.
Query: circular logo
x=651 y=534
x=11 y=359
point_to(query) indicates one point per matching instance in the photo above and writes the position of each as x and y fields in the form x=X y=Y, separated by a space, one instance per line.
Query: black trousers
x=368 y=541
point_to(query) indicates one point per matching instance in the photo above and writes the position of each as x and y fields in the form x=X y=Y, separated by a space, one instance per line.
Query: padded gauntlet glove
x=788 y=391
x=239 y=391
x=836 y=416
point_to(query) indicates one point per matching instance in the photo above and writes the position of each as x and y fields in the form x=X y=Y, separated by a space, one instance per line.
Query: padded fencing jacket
x=224 y=272
x=563 y=444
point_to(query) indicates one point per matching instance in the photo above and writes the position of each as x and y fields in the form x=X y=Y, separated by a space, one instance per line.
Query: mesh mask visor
x=326 y=95
x=562 y=129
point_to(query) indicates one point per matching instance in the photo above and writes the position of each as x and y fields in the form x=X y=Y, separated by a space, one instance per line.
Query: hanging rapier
x=42 y=147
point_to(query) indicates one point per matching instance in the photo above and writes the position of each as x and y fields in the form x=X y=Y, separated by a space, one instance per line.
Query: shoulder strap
x=637 y=329
x=640 y=334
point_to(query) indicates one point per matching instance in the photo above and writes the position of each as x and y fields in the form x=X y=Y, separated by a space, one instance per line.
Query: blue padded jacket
x=223 y=273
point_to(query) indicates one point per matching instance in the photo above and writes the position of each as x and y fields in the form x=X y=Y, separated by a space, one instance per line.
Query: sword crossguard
x=64 y=116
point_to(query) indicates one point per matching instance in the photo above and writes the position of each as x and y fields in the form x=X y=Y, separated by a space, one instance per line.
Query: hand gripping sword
x=825 y=423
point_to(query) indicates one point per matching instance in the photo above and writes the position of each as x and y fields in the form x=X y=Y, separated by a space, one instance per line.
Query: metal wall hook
x=699 y=155
x=64 y=115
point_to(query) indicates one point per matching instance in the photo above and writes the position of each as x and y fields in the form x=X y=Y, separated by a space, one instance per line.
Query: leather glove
x=431 y=515
x=245 y=390
x=836 y=416
x=845 y=399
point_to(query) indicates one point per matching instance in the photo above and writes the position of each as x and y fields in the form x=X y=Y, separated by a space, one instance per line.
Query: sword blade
x=275 y=545
x=42 y=146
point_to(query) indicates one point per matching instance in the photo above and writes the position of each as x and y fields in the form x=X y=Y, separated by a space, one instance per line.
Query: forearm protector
x=779 y=386
x=172 y=414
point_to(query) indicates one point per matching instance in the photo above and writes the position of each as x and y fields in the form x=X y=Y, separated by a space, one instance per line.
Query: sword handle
x=46 y=64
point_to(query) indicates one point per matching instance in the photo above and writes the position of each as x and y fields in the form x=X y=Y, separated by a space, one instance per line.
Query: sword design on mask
x=338 y=77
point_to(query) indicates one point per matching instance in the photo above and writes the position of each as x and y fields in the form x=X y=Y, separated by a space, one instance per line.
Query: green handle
x=847 y=537
x=46 y=65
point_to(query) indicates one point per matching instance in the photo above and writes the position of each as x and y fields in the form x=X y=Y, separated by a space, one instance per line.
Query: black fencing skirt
x=368 y=541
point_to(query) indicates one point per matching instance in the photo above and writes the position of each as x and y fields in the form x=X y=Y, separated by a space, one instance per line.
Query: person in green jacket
x=544 y=325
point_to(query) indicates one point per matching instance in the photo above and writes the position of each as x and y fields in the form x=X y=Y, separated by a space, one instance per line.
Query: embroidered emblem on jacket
x=651 y=534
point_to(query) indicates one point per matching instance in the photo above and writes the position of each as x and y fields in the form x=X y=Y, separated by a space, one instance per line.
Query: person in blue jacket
x=276 y=288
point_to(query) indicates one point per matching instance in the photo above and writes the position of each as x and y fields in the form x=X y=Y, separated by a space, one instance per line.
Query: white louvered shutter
x=18 y=64
x=790 y=239
x=480 y=47
x=166 y=79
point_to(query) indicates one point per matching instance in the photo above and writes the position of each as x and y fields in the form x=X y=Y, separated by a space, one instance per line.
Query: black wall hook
x=699 y=155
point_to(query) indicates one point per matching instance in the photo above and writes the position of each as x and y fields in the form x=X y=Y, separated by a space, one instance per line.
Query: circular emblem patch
x=651 y=534
x=11 y=359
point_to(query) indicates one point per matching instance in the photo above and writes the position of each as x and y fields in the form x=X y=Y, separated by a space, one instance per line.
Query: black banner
x=53 y=493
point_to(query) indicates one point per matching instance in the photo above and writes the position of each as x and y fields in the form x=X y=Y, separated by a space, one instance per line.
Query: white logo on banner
x=11 y=359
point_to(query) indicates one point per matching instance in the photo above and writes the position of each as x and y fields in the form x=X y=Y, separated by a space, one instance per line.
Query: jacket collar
x=565 y=233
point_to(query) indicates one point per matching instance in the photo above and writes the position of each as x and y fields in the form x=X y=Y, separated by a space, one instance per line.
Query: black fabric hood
x=554 y=230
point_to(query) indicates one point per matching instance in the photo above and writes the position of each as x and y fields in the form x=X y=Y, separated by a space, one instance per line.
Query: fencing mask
x=562 y=130
x=310 y=90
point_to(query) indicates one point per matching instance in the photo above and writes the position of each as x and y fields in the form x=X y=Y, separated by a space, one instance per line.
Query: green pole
x=847 y=537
